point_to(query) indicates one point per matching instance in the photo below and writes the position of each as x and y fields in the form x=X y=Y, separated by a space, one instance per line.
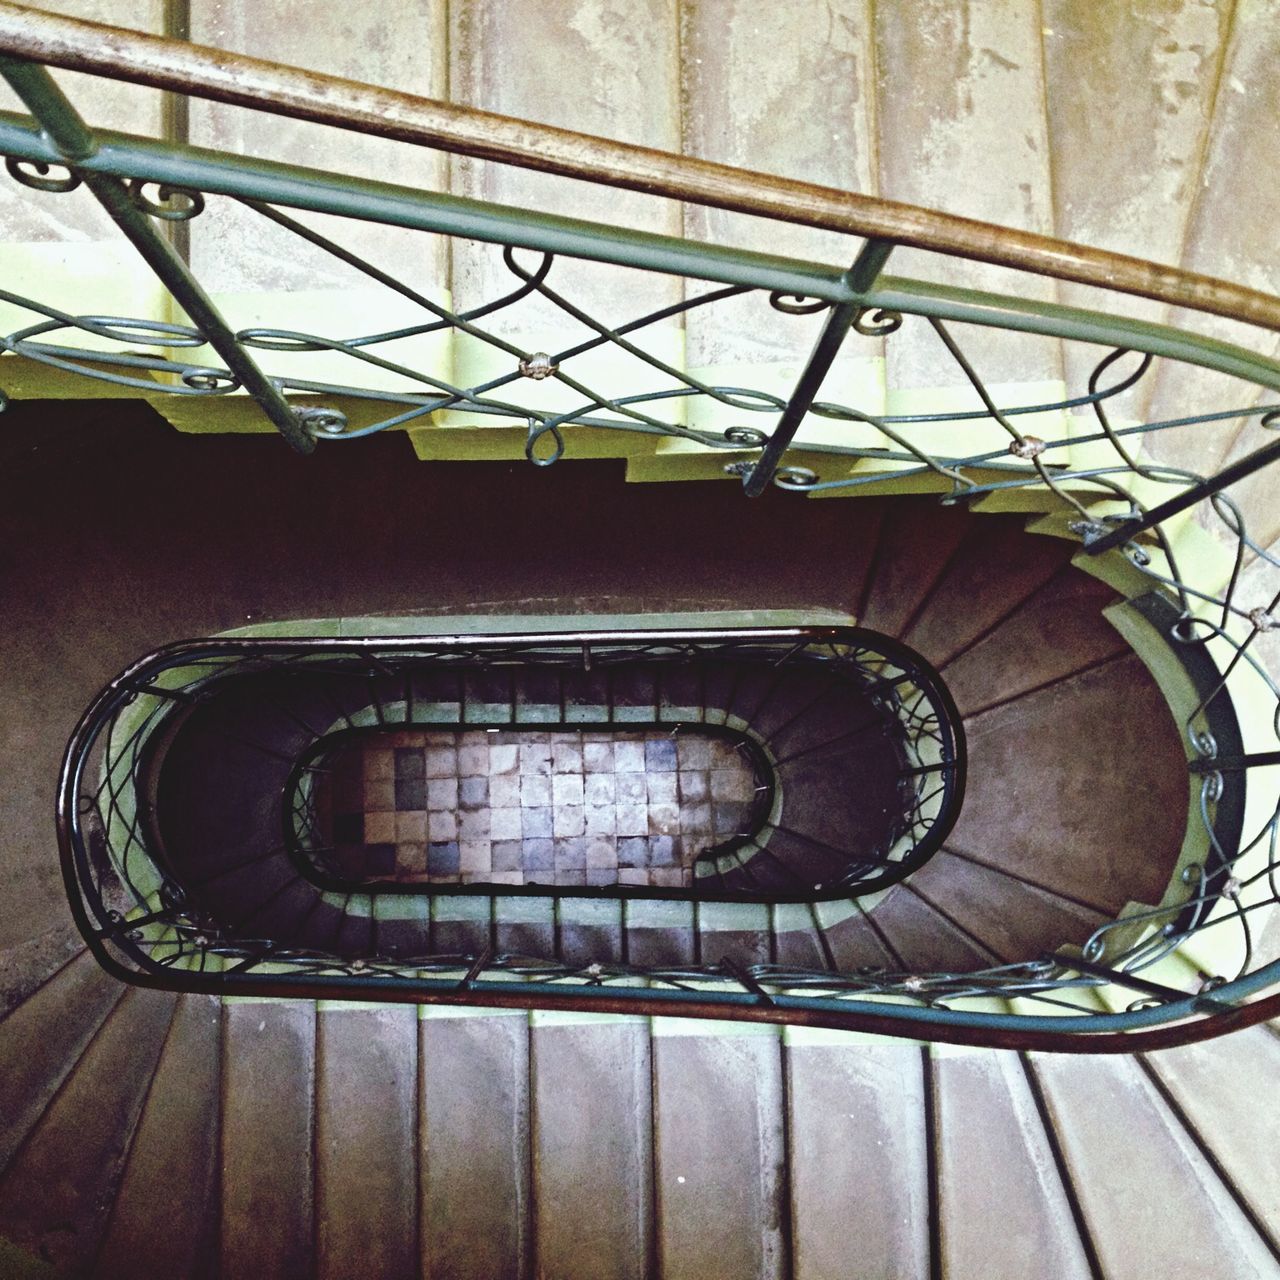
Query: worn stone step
x=366 y=1141
x=58 y=1189
x=1093 y=833
x=42 y=1039
x=1217 y=1085
x=992 y=572
x=267 y=1171
x=995 y=1161
x=925 y=939
x=474 y=1152
x=719 y=1150
x=1229 y=235
x=592 y=1146
x=1056 y=631
x=1151 y=1202
x=1014 y=920
x=164 y=1225
x=859 y=1165
x=959 y=84
x=1130 y=189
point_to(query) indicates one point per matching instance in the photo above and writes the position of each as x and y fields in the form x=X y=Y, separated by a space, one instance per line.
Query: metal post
x=75 y=141
x=1255 y=461
x=862 y=276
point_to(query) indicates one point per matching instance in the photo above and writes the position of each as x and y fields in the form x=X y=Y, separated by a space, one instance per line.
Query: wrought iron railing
x=1101 y=463
x=138 y=892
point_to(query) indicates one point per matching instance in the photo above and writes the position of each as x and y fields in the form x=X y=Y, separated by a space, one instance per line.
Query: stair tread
x=1217 y=1084
x=162 y=1224
x=718 y=1154
x=31 y=1078
x=476 y=1194
x=1109 y=829
x=924 y=939
x=995 y=1163
x=859 y=1165
x=366 y=1134
x=58 y=1189
x=1139 y=1178
x=1016 y=921
x=1057 y=631
x=592 y=1147
x=268 y=1114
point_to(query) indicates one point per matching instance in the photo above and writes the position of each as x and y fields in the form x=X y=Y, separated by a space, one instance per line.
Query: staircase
x=145 y=1133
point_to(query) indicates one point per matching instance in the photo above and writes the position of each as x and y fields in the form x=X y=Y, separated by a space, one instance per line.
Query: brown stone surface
x=1081 y=786
x=859 y=1168
x=592 y=1145
x=995 y=1166
x=719 y=1155
x=162 y=1224
x=366 y=1135
x=474 y=1136
x=267 y=1225
x=1151 y=1202
x=56 y=1192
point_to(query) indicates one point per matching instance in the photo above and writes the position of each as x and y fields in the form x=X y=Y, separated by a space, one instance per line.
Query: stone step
x=1151 y=1203
x=591 y=1127
x=40 y=1045
x=266 y=1145
x=366 y=1141
x=995 y=1162
x=163 y=1225
x=57 y=1190
x=859 y=1167
x=719 y=1150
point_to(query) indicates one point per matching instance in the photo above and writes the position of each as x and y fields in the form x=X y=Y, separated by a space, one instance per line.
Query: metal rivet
x=1262 y=620
x=538 y=366
x=1028 y=447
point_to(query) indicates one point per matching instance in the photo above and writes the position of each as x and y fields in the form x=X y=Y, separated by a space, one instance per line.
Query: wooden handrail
x=122 y=54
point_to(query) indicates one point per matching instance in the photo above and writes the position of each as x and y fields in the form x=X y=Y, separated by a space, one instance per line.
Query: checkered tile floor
x=523 y=806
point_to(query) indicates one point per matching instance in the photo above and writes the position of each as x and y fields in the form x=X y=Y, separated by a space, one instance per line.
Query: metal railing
x=136 y=893
x=1098 y=469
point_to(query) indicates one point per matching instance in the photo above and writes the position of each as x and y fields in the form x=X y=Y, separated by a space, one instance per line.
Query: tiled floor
x=522 y=806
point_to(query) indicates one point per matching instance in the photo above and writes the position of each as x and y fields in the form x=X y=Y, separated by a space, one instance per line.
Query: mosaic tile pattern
x=521 y=806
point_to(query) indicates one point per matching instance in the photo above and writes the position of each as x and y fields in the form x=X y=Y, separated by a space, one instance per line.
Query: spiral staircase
x=179 y=1133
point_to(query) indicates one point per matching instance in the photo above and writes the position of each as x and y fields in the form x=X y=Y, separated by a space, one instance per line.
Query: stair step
x=40 y=1044
x=1139 y=1177
x=1058 y=630
x=1093 y=835
x=859 y=1160
x=163 y=1225
x=477 y=1201
x=1217 y=1085
x=995 y=1163
x=915 y=545
x=365 y=1142
x=854 y=942
x=57 y=1191
x=925 y=939
x=719 y=1151
x=1013 y=920
x=993 y=570
x=268 y=1120
x=592 y=1145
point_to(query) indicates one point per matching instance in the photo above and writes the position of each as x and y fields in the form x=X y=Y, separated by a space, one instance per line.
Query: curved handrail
x=141 y=58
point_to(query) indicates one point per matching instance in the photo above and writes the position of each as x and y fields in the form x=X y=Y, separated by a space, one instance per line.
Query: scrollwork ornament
x=40 y=176
x=796 y=304
x=795 y=478
x=745 y=437
x=172 y=204
x=876 y=322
